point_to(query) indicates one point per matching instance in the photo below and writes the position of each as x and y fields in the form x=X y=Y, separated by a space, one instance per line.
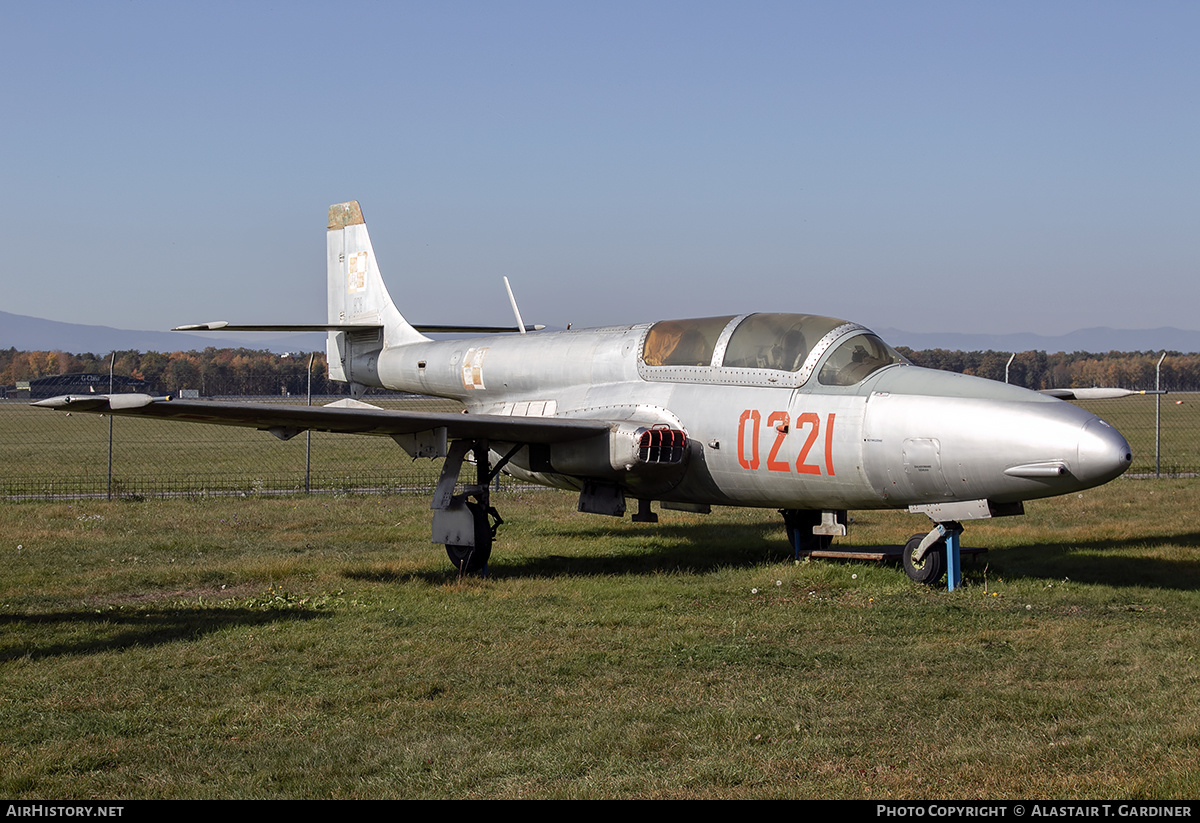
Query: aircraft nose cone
x=1103 y=452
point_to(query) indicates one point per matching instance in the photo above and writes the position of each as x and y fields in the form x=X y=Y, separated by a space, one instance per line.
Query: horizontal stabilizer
x=424 y=329
x=221 y=325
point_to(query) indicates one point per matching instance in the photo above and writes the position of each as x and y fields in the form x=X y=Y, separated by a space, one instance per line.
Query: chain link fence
x=50 y=454
x=1163 y=431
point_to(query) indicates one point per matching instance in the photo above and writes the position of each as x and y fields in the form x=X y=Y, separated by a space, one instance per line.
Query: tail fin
x=357 y=296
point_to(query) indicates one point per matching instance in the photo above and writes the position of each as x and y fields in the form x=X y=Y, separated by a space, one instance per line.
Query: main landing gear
x=482 y=522
x=466 y=523
x=811 y=531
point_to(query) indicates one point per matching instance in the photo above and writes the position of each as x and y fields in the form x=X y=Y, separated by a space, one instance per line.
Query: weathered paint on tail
x=357 y=296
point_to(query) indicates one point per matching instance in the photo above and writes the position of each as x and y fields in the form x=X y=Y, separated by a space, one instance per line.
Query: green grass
x=322 y=647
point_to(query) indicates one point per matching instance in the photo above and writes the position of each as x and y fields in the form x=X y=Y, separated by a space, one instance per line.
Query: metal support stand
x=953 y=560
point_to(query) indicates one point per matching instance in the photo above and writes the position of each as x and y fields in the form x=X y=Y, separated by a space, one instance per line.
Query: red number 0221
x=750 y=423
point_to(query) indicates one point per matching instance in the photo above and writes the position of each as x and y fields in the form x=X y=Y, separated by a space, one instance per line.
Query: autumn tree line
x=1076 y=370
x=216 y=372
x=213 y=372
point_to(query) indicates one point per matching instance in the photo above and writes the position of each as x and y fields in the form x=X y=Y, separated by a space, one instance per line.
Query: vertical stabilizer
x=358 y=297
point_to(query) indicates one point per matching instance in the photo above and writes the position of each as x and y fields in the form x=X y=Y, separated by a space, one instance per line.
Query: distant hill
x=34 y=334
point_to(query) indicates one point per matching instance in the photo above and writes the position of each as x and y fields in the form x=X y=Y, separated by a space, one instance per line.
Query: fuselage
x=834 y=421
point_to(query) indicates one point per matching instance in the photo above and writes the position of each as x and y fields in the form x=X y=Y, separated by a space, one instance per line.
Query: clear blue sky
x=958 y=166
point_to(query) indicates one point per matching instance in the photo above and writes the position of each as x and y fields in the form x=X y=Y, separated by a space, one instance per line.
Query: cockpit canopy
x=776 y=341
x=855 y=358
x=772 y=341
x=683 y=342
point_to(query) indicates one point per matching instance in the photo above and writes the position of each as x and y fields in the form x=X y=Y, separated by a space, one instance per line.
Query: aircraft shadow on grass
x=1104 y=562
x=701 y=548
x=110 y=631
x=666 y=548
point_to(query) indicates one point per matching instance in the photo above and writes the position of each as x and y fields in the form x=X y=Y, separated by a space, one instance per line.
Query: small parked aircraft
x=809 y=415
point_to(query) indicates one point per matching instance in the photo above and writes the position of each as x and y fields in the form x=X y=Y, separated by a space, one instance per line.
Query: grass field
x=321 y=647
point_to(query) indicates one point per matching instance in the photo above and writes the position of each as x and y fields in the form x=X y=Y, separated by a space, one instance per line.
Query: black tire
x=931 y=568
x=474 y=559
x=469 y=559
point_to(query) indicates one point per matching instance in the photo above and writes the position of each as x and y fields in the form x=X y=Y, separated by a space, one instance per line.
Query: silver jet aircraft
x=809 y=415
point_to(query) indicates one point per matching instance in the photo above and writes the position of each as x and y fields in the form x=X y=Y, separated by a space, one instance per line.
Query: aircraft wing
x=285 y=420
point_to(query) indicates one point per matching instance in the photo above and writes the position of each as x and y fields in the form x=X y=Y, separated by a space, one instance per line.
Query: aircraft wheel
x=931 y=568
x=474 y=559
x=469 y=559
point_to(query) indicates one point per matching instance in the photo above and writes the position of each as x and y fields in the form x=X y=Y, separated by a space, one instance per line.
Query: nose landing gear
x=927 y=556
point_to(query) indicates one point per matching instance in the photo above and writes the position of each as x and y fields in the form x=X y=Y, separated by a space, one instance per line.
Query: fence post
x=1157 y=411
x=111 y=362
x=308 y=432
